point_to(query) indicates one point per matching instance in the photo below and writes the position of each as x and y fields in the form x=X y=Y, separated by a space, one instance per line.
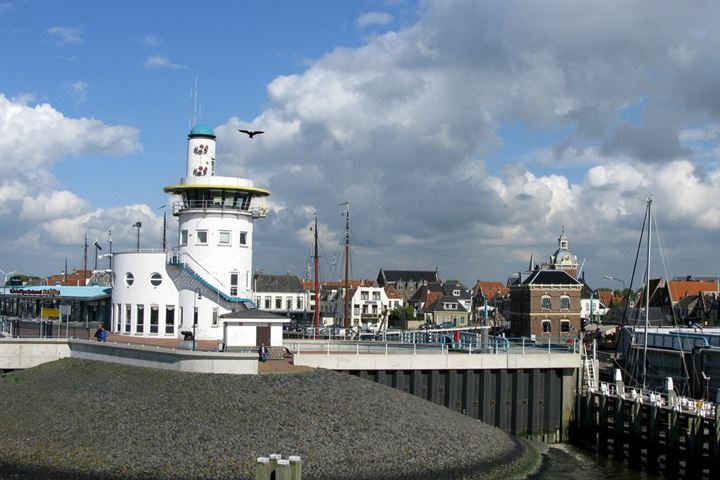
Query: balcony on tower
x=218 y=194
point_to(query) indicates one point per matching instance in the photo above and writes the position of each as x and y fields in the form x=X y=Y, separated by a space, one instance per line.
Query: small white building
x=207 y=274
x=368 y=306
x=597 y=310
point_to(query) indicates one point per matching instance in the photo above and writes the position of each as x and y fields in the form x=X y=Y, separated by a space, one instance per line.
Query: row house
x=406 y=282
x=369 y=306
x=448 y=309
x=281 y=294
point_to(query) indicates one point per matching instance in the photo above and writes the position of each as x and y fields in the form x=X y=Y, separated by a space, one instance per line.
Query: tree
x=401 y=315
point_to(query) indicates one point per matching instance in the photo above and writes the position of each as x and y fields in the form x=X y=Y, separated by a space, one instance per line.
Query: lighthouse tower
x=203 y=284
x=214 y=250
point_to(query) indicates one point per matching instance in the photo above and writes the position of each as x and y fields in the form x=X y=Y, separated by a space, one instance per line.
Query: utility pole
x=317 y=289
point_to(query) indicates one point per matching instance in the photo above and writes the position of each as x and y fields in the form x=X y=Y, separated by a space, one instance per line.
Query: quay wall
x=19 y=353
x=529 y=395
x=654 y=437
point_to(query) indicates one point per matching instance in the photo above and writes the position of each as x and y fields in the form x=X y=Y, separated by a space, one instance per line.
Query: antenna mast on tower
x=196 y=108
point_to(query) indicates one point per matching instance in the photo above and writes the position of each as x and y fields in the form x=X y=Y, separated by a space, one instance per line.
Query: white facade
x=209 y=272
x=368 y=306
x=598 y=309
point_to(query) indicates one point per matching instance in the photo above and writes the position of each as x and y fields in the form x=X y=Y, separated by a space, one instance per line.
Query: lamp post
x=617 y=280
x=138 y=225
x=195 y=313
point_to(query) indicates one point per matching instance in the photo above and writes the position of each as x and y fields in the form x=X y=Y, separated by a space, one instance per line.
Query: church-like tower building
x=208 y=273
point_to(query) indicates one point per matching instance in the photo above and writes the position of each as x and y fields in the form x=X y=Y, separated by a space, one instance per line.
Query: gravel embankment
x=80 y=419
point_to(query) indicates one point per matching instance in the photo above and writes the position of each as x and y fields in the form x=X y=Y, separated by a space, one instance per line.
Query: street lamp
x=138 y=225
x=195 y=313
x=617 y=280
x=7 y=274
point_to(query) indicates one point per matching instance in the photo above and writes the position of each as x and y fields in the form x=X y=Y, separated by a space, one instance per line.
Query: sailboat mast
x=317 y=282
x=647 y=291
x=346 y=316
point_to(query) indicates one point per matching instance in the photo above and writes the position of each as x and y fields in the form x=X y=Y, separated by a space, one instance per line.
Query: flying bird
x=251 y=134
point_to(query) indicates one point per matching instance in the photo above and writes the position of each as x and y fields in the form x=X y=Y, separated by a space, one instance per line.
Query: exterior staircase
x=181 y=260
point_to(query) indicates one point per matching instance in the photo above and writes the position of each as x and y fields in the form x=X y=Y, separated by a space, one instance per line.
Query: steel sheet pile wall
x=531 y=403
x=657 y=438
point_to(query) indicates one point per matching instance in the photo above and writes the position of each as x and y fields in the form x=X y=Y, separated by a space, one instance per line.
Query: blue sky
x=463 y=133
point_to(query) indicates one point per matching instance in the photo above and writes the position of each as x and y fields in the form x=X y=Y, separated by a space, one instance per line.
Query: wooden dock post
x=275 y=467
x=262 y=469
x=295 y=467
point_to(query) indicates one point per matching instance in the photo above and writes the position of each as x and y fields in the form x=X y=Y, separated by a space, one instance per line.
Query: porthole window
x=155 y=279
x=129 y=279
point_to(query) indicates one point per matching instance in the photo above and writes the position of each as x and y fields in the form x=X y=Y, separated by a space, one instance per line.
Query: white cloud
x=41 y=222
x=400 y=125
x=150 y=40
x=66 y=35
x=35 y=136
x=50 y=205
x=156 y=62
x=78 y=91
x=374 y=18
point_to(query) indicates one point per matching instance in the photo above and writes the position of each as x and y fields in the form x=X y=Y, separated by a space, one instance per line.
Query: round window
x=155 y=279
x=129 y=279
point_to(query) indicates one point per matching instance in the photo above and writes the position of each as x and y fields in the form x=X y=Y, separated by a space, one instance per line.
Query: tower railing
x=256 y=211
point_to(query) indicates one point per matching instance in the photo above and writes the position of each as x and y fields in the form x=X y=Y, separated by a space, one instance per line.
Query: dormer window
x=450 y=306
x=456 y=293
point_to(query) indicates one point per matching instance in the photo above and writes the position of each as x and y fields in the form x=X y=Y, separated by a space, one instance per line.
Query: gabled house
x=447 y=309
x=456 y=289
x=406 y=282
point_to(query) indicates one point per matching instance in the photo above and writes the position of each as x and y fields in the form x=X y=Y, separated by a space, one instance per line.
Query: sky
x=464 y=134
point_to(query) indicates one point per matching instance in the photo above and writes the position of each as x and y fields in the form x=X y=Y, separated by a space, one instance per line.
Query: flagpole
x=110 y=252
x=85 y=260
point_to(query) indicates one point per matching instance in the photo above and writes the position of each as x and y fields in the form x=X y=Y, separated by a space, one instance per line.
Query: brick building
x=546 y=303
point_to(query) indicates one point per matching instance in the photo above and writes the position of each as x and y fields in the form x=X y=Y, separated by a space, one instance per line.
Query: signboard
x=46 y=312
x=64 y=309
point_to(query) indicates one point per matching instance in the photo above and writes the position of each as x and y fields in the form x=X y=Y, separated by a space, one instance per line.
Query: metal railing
x=242 y=207
x=464 y=340
x=661 y=399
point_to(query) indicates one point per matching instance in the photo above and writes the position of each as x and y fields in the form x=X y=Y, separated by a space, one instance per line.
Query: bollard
x=295 y=467
x=282 y=469
x=262 y=469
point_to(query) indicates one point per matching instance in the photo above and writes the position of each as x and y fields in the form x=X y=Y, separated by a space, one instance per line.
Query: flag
x=97 y=245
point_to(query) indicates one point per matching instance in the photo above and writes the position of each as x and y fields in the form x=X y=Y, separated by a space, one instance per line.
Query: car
x=446 y=325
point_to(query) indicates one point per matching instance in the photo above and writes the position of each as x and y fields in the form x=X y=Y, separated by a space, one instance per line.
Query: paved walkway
x=269 y=367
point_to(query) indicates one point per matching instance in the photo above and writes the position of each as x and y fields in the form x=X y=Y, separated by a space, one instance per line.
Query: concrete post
x=295 y=467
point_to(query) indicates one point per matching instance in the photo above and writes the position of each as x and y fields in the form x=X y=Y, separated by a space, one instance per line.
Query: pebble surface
x=75 y=419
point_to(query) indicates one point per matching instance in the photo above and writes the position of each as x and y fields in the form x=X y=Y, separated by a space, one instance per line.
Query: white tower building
x=209 y=272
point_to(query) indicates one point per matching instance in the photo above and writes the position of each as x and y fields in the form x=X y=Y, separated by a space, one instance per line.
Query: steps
x=176 y=261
